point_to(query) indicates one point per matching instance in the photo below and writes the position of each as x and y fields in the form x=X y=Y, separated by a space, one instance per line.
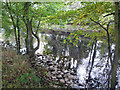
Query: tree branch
x=109 y=23
x=35 y=35
x=38 y=27
x=98 y=24
x=109 y=14
x=109 y=47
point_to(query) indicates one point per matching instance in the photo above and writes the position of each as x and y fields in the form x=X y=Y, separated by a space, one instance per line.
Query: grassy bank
x=17 y=72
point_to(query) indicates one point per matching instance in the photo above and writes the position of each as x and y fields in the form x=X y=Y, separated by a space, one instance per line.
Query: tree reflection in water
x=91 y=63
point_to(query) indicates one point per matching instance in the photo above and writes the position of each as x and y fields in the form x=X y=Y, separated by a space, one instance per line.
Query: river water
x=80 y=58
x=90 y=73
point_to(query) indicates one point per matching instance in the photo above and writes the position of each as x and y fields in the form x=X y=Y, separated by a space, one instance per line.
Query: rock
x=54 y=62
x=55 y=69
x=58 y=72
x=53 y=77
x=67 y=74
x=66 y=80
x=61 y=73
x=72 y=73
x=80 y=84
x=54 y=72
x=72 y=77
x=55 y=86
x=59 y=77
x=75 y=85
x=38 y=63
x=69 y=83
x=65 y=71
x=50 y=64
x=44 y=57
x=62 y=81
x=38 y=54
x=51 y=68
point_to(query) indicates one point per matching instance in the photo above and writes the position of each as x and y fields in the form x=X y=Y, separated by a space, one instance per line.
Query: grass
x=17 y=72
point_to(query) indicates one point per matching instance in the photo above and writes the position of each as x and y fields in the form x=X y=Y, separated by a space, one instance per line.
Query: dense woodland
x=101 y=21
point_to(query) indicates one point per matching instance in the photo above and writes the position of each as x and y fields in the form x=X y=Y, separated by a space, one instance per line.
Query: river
x=90 y=73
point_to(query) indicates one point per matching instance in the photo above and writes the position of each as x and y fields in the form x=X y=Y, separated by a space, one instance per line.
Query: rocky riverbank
x=57 y=72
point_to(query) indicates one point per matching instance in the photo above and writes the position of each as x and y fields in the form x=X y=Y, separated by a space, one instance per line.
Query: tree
x=117 y=48
x=92 y=13
x=32 y=15
x=13 y=11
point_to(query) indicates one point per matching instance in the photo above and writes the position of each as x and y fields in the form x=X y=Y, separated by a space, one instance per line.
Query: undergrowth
x=17 y=72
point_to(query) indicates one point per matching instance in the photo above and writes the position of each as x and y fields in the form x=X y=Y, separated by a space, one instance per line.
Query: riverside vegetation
x=17 y=72
x=22 y=23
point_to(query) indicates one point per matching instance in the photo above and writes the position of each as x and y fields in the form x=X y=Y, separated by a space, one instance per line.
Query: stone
x=69 y=83
x=50 y=64
x=48 y=61
x=51 y=68
x=55 y=69
x=72 y=77
x=75 y=85
x=65 y=71
x=59 y=76
x=68 y=74
x=38 y=63
x=53 y=72
x=61 y=73
x=66 y=79
x=55 y=86
x=53 y=77
x=72 y=73
x=62 y=81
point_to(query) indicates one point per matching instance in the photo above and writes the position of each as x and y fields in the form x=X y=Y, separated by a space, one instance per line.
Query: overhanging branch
x=98 y=24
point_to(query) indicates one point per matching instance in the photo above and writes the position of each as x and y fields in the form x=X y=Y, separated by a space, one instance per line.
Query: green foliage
x=82 y=16
x=17 y=72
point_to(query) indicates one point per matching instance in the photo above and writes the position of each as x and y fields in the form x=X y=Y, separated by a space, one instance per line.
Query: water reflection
x=80 y=59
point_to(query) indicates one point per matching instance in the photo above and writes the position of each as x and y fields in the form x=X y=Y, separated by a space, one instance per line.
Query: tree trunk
x=28 y=24
x=117 y=48
x=93 y=58
x=18 y=39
